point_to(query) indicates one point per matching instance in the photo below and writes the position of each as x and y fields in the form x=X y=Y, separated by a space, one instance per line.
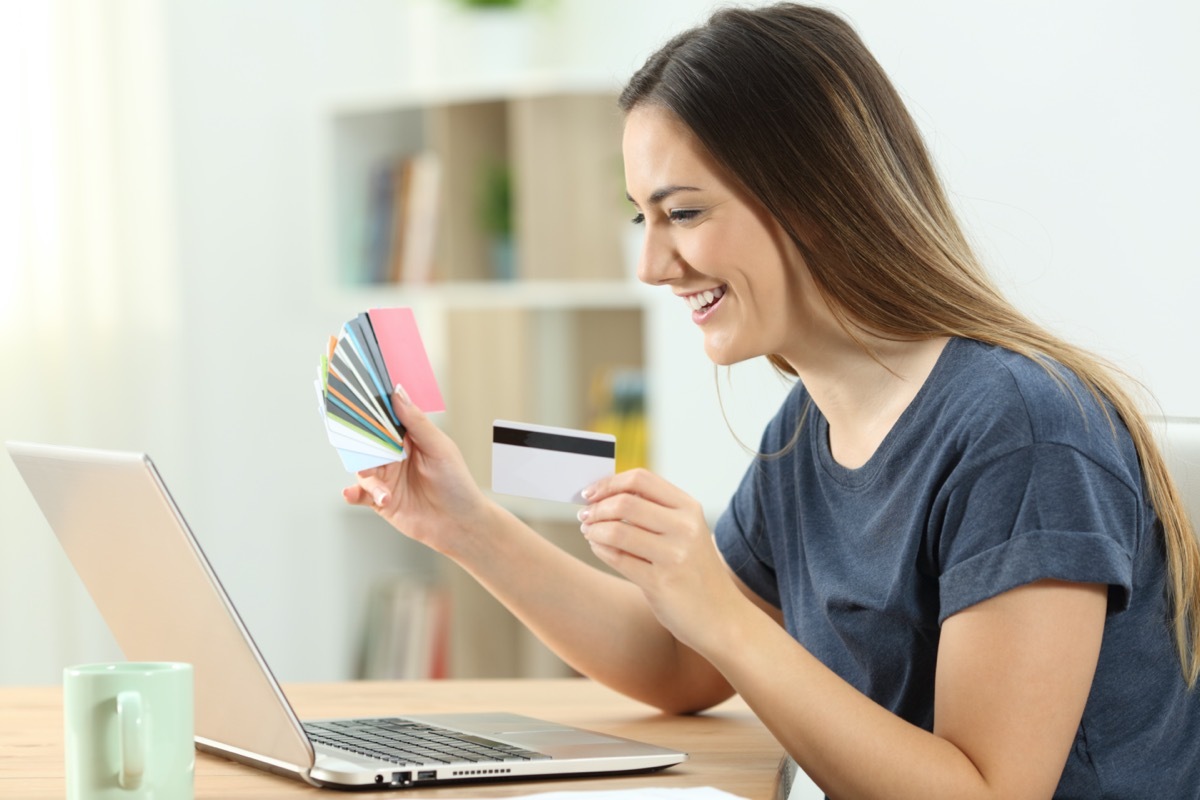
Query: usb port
x=426 y=774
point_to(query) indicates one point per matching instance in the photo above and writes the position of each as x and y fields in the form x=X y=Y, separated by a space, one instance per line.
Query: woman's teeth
x=706 y=298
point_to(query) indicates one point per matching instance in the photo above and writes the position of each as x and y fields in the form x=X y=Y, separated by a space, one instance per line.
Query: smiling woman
x=893 y=492
x=959 y=559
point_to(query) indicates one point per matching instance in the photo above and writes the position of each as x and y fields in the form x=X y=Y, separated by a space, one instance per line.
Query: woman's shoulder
x=1051 y=398
x=998 y=393
x=974 y=385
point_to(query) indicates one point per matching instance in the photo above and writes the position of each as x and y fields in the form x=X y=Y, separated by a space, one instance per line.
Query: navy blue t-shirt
x=995 y=476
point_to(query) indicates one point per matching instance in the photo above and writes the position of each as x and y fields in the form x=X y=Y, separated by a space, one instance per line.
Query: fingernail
x=583 y=514
x=381 y=497
x=587 y=493
x=403 y=395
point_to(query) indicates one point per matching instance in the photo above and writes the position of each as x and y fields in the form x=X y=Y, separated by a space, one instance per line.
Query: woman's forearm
x=599 y=623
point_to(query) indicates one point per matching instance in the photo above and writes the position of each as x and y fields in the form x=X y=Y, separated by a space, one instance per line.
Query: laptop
x=163 y=602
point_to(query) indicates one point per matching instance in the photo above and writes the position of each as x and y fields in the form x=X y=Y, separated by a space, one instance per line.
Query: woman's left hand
x=655 y=535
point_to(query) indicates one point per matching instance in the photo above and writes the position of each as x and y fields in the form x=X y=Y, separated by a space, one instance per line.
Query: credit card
x=549 y=463
x=360 y=367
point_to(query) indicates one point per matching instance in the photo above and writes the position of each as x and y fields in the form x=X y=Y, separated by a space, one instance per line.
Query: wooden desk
x=729 y=748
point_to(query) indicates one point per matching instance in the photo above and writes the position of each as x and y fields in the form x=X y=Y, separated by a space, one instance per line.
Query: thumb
x=412 y=418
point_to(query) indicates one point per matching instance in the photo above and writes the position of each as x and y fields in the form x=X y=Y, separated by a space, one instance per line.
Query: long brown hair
x=793 y=107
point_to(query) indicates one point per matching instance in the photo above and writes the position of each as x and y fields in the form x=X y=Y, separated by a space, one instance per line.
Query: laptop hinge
x=254 y=760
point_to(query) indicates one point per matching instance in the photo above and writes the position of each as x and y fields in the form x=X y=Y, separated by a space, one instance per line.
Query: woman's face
x=740 y=277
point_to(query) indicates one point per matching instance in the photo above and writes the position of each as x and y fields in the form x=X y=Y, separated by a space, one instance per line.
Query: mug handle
x=132 y=739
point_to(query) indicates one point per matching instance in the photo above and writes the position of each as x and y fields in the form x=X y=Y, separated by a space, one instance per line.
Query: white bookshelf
x=526 y=347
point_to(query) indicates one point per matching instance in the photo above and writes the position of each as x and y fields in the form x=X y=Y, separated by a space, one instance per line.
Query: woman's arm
x=598 y=623
x=1013 y=672
x=1013 y=675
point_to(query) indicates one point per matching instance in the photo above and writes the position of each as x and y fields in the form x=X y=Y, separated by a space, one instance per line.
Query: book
x=413 y=247
x=378 y=228
x=405 y=210
x=403 y=214
x=407 y=632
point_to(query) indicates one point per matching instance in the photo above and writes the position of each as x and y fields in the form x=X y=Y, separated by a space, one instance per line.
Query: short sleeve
x=741 y=536
x=1045 y=511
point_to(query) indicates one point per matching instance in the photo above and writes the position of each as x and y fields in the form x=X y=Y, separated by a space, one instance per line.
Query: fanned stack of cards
x=371 y=354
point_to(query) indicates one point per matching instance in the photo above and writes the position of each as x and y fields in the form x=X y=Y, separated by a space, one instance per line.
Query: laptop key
x=395 y=738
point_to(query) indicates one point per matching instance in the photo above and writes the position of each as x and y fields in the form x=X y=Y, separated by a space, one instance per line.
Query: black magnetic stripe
x=554 y=441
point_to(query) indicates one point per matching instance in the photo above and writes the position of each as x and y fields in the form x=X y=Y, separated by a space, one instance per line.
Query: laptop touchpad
x=557 y=738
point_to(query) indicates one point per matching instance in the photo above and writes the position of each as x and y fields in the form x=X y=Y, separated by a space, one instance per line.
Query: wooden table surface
x=729 y=748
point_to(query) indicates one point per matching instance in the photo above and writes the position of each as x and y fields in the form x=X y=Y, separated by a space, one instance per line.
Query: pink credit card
x=404 y=356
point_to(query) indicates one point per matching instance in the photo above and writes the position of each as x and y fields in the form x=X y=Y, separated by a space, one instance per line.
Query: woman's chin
x=722 y=355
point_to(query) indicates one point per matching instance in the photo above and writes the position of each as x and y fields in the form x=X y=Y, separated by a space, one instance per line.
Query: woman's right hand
x=430 y=496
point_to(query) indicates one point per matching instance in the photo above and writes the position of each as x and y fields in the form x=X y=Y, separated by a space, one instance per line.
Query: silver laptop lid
x=155 y=588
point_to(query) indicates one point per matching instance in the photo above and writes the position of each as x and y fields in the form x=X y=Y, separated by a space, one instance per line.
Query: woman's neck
x=861 y=394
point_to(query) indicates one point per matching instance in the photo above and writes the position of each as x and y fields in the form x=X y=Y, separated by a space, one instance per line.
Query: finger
x=634 y=509
x=623 y=562
x=356 y=496
x=421 y=434
x=641 y=482
x=374 y=490
x=416 y=424
x=628 y=539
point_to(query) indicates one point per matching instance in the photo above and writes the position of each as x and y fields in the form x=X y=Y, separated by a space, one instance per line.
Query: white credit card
x=549 y=463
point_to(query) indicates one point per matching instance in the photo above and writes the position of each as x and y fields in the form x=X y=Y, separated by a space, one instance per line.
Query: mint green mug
x=129 y=731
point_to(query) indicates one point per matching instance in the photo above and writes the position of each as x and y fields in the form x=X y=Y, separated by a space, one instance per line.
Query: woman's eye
x=675 y=215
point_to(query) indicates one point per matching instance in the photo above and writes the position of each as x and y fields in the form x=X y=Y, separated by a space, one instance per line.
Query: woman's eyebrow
x=658 y=195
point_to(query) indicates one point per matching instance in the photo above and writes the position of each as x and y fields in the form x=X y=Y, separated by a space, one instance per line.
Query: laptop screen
x=154 y=587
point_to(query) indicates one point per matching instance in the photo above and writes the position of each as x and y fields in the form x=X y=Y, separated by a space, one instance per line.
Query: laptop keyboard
x=408 y=743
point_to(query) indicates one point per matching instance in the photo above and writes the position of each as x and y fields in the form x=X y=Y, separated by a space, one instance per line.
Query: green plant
x=489 y=3
x=495 y=202
x=543 y=5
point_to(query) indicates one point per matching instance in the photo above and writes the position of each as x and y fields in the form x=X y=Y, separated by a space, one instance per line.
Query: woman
x=959 y=568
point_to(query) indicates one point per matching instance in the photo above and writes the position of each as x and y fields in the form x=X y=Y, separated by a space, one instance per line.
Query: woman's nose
x=659 y=262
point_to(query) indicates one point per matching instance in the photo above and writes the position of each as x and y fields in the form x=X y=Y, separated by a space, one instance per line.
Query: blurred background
x=195 y=194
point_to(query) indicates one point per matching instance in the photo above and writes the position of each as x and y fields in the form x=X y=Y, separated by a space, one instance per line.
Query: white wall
x=1064 y=130
x=251 y=81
